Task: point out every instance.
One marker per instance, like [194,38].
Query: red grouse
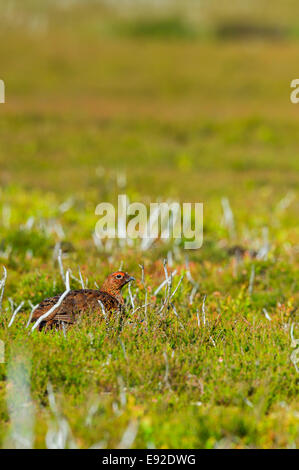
[83,301]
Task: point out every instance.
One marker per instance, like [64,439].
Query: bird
[106,299]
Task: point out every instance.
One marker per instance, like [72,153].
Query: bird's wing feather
[76,302]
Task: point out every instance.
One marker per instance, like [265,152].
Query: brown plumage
[84,301]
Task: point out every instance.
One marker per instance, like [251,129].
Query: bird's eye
[119,276]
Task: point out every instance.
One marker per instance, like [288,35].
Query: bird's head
[115,282]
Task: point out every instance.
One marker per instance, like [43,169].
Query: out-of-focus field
[189,108]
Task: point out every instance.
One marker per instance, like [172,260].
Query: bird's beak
[131,278]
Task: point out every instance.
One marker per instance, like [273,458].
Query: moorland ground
[90,115]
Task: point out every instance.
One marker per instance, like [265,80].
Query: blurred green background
[188,100]
[155,88]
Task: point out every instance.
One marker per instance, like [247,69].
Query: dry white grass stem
[92,411]
[251,280]
[191,280]
[60,264]
[165,269]
[267,314]
[129,435]
[141,306]
[33,308]
[204,310]
[170,259]
[104,313]
[81,279]
[15,313]
[45,315]
[265,248]
[97,242]
[145,307]
[103,308]
[122,392]
[59,435]
[131,297]
[176,314]
[178,285]
[294,343]
[19,403]
[2,286]
[166,376]
[123,348]
[198,319]
[168,283]
[164,283]
[228,217]
[141,266]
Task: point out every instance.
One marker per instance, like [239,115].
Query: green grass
[185,117]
